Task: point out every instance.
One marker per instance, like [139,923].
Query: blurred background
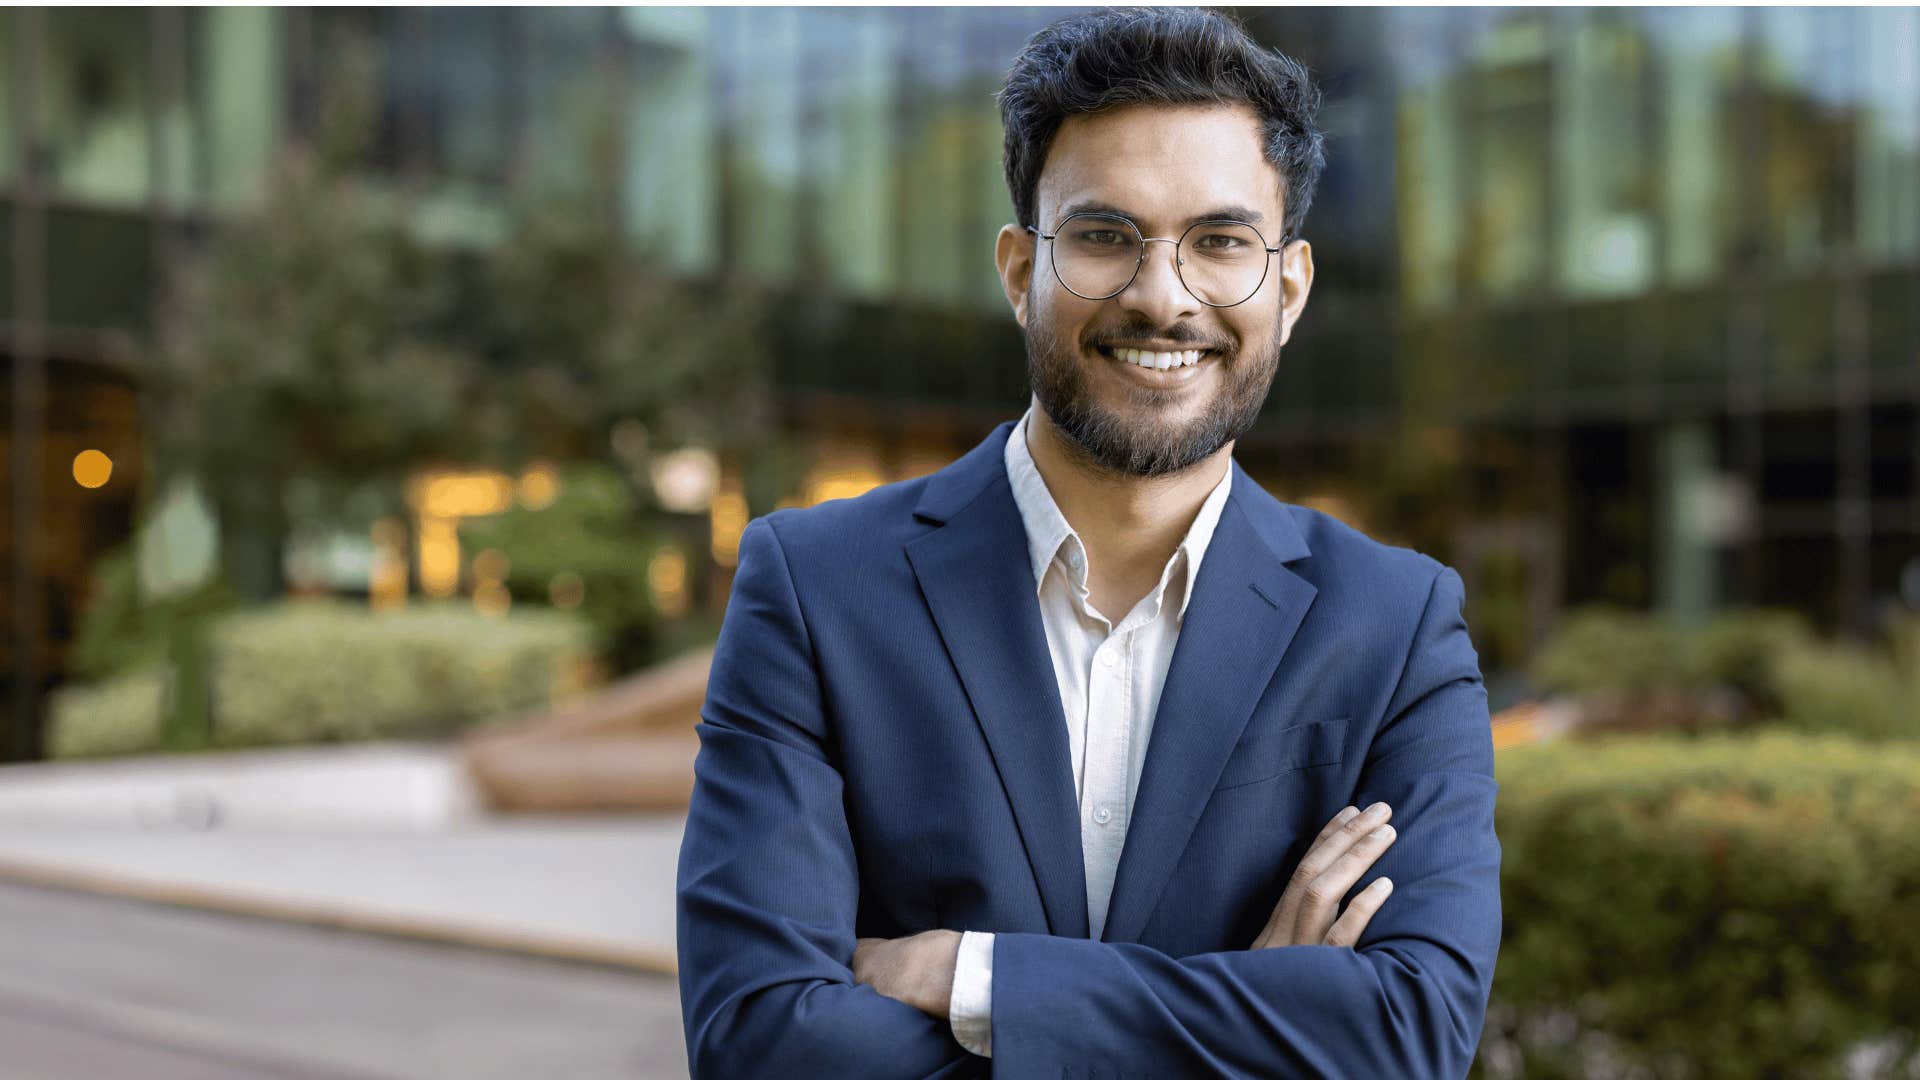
[387,390]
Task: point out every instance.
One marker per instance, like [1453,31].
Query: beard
[1135,439]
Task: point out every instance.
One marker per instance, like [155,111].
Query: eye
[1226,242]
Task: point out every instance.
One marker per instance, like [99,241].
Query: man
[1051,764]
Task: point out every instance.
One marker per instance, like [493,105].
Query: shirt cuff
[970,1009]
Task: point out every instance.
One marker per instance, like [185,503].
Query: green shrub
[594,528]
[1742,669]
[1742,650]
[120,630]
[1610,650]
[1835,688]
[309,671]
[1709,907]
[122,715]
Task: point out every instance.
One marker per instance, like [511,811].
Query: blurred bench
[627,746]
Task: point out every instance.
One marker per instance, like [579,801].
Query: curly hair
[1112,57]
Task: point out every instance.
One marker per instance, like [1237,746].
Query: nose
[1156,290]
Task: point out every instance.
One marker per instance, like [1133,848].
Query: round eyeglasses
[1096,256]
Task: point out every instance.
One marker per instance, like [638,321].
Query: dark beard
[1139,445]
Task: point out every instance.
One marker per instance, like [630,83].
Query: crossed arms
[769,889]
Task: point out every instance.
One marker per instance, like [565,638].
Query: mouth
[1159,369]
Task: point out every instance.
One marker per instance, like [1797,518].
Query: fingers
[1334,843]
[1322,898]
[1347,929]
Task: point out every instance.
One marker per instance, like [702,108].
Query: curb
[561,947]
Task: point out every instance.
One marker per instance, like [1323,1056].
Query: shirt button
[1108,659]
[1102,815]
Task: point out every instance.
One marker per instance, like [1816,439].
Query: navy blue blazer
[883,751]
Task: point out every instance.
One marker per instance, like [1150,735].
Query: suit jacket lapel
[1245,609]
[979,586]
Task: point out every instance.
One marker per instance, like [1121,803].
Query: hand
[1339,856]
[917,970]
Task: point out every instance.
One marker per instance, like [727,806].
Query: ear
[1296,280]
[1013,252]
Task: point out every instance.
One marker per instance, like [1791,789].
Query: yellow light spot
[728,519]
[841,484]
[91,468]
[439,556]
[566,590]
[491,598]
[539,486]
[387,581]
[667,582]
[491,565]
[471,494]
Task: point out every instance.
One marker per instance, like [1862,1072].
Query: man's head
[1164,115]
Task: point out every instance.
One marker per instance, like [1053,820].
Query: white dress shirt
[1110,677]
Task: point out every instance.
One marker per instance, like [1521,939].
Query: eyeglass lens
[1221,263]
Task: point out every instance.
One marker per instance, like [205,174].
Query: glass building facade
[1612,305]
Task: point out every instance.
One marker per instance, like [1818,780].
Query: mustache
[1179,343]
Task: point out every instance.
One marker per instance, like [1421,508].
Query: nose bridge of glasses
[1146,251]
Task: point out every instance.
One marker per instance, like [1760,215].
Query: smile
[1155,361]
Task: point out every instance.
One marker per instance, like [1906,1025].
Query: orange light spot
[92,469]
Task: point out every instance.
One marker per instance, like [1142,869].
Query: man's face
[1161,167]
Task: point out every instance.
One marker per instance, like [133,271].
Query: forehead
[1162,164]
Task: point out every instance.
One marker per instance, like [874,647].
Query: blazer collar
[978,582]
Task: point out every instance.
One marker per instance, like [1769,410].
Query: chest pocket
[1265,754]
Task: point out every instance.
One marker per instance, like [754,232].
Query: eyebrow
[1095,206]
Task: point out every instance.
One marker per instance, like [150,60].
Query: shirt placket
[1103,809]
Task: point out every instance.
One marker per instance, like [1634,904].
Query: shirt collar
[1047,529]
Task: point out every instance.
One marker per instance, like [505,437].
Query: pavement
[98,988]
[381,839]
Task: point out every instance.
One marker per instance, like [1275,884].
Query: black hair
[1112,57]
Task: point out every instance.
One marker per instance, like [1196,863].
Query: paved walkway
[382,838]
[596,889]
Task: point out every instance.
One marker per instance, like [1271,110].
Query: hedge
[1740,669]
[122,715]
[1714,906]
[319,671]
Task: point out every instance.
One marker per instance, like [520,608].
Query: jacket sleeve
[1408,1000]
[768,886]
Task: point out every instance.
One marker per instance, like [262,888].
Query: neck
[1128,523]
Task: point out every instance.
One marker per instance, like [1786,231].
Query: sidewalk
[205,832]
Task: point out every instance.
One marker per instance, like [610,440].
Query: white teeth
[1159,361]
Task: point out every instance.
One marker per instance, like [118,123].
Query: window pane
[856,195]
[765,117]
[938,157]
[1511,104]
[239,87]
[92,102]
[1431,208]
[99,268]
[7,18]
[1601,170]
[1810,90]
[672,173]
[1699,63]
[1888,42]
[568,94]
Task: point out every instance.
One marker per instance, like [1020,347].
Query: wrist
[943,950]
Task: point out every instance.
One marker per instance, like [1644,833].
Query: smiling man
[1053,763]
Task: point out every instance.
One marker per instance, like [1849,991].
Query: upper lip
[1154,348]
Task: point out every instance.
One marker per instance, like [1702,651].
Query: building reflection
[1613,305]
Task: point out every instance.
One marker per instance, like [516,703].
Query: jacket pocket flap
[1263,755]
